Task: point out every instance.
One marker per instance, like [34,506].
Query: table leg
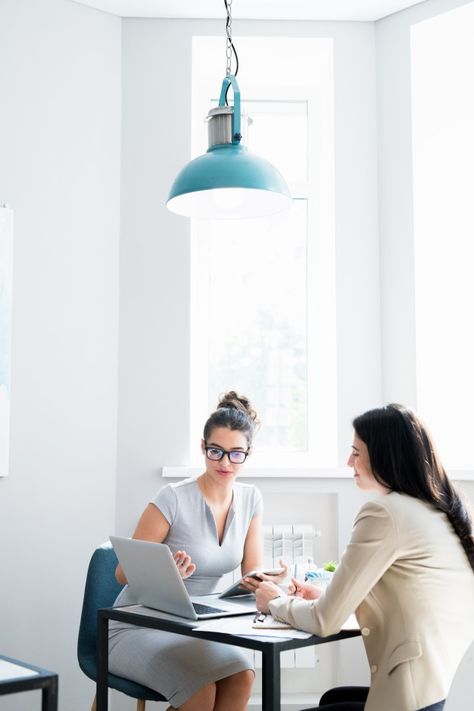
[102,662]
[271,680]
[49,696]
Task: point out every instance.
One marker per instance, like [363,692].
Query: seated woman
[407,573]
[211,524]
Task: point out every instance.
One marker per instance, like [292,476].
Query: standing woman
[212,525]
[407,573]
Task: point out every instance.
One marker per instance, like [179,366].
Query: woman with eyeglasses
[407,573]
[212,524]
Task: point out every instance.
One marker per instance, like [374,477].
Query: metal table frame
[270,647]
[42,679]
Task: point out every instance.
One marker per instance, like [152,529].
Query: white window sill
[266,472]
[181,472]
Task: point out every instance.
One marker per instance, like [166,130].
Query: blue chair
[101,590]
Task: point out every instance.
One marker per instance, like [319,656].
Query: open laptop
[155,582]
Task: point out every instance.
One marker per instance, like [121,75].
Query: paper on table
[244,625]
[8,670]
[263,622]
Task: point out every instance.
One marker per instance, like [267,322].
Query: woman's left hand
[264,593]
[184,564]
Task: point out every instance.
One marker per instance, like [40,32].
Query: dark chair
[101,590]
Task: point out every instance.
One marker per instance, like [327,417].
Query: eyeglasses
[215,454]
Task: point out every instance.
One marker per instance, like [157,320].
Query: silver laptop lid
[153,576]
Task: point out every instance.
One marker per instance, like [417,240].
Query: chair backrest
[461,693]
[100,591]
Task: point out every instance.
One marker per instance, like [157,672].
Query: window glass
[278,132]
[257,330]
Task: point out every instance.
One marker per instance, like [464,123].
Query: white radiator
[294,543]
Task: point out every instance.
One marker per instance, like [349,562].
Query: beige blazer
[410,584]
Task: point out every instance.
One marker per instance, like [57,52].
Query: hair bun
[239,402]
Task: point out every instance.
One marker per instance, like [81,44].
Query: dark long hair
[403,457]
[234,412]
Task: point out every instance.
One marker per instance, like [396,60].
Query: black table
[270,647]
[39,679]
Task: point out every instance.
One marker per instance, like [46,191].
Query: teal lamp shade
[228,182]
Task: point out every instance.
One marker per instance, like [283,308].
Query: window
[443,160]
[263,291]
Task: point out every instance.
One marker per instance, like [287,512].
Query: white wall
[397,289]
[60,72]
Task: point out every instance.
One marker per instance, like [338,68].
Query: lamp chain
[229,45]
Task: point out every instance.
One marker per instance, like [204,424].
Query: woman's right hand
[303,590]
[277,579]
[184,564]
[252,583]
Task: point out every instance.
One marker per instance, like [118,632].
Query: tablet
[234,590]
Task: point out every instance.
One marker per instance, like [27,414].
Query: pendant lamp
[229,181]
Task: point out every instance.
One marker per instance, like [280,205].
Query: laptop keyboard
[205,609]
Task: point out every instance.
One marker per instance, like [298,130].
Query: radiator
[294,543]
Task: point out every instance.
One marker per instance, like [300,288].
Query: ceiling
[353,10]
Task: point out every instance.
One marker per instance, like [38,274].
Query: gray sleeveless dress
[174,665]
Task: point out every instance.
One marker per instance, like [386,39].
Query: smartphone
[235,590]
[268,571]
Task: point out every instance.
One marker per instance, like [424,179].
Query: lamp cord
[229,46]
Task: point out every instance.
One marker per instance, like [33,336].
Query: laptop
[155,582]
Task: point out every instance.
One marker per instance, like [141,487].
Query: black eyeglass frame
[224,452]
